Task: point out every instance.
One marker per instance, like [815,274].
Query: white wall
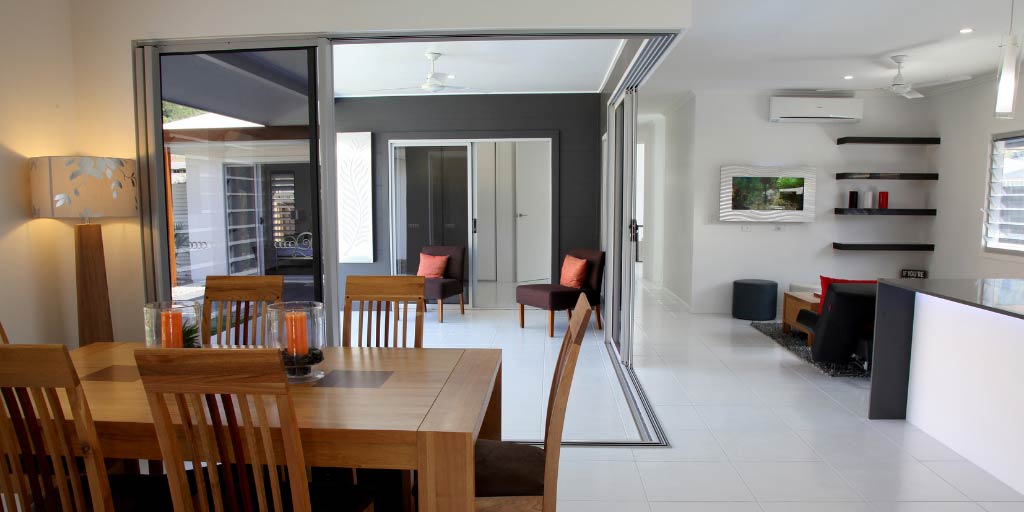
[966,125]
[677,226]
[733,128]
[37,117]
[651,133]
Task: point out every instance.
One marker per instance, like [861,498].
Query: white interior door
[533,210]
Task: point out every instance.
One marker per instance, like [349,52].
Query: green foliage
[789,183]
[174,111]
[190,335]
[764,193]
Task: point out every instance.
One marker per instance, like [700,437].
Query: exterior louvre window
[1004,212]
[282,199]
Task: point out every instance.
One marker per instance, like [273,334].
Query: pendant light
[1006,83]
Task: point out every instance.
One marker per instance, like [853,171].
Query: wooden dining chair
[3,335]
[377,297]
[43,451]
[237,308]
[512,477]
[231,405]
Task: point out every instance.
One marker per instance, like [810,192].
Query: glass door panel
[239,142]
[431,201]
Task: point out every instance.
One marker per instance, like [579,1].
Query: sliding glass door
[430,191]
[625,231]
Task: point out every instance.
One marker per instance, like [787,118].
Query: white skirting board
[966,383]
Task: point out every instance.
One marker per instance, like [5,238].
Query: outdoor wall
[37,117]
[733,128]
[966,125]
[574,117]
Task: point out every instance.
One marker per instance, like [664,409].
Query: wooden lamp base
[94,322]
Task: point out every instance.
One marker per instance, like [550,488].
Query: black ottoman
[754,299]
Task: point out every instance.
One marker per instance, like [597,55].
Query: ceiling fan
[904,87]
[435,81]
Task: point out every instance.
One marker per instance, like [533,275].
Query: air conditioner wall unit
[786,109]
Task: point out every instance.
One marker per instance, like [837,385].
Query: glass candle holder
[172,324]
[298,330]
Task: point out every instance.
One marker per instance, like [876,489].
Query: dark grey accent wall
[571,120]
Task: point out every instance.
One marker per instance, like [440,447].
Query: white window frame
[995,166]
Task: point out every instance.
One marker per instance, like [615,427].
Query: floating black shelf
[885,211]
[920,176]
[887,140]
[839,246]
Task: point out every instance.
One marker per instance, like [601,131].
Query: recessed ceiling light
[848,77]
[966,30]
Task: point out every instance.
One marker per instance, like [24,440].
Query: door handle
[521,215]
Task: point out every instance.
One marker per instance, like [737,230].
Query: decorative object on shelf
[85,187]
[767,194]
[854,199]
[297,329]
[1006,79]
[355,197]
[869,199]
[172,324]
[883,200]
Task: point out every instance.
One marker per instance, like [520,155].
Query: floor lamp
[86,188]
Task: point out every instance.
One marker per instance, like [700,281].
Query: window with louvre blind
[1004,212]
[282,204]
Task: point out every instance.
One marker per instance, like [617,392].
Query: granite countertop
[1005,296]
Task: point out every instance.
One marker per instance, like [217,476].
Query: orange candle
[298,335]
[171,335]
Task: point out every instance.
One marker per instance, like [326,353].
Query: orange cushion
[825,281]
[574,271]
[432,266]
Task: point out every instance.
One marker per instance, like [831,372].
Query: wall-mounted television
[767,194]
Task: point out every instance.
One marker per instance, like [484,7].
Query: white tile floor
[753,429]
[597,408]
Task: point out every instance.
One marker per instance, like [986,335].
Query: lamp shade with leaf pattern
[83,187]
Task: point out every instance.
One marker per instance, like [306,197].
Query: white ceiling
[511,66]
[810,44]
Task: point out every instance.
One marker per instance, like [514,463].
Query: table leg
[785,315]
[447,482]
[491,427]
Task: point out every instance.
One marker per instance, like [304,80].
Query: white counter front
[967,383]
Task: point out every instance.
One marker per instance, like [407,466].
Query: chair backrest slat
[215,393]
[235,308]
[558,398]
[383,301]
[39,467]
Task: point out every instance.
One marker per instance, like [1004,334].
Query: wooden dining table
[410,409]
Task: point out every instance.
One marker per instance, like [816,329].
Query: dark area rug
[798,345]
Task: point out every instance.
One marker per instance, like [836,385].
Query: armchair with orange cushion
[582,272]
[443,266]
